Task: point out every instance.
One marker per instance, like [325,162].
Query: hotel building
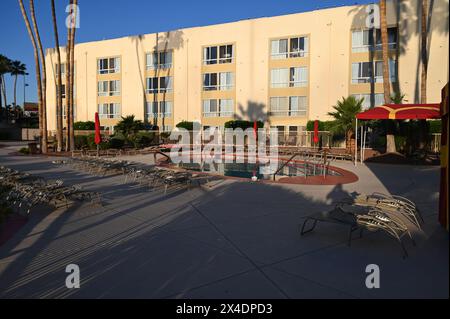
[284,70]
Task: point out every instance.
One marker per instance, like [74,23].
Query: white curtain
[355,72]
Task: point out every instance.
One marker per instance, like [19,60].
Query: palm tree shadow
[253,112]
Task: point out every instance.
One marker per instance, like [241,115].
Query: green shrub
[81,141]
[323,125]
[116,142]
[84,126]
[187,125]
[143,139]
[435,126]
[24,150]
[165,135]
[91,142]
[400,143]
[242,124]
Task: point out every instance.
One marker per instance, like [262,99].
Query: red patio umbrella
[98,137]
[316,131]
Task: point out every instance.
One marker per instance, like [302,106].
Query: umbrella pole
[356,142]
[361,142]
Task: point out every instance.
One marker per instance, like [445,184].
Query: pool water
[248,170]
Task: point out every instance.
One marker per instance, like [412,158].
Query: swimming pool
[248,170]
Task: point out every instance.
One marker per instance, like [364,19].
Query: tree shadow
[407,16]
[170,40]
[253,112]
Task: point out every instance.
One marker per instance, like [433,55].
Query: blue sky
[103,19]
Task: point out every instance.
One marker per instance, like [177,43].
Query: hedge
[84,126]
[242,124]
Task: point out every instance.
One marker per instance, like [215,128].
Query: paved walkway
[228,239]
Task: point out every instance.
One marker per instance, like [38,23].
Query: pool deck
[226,239]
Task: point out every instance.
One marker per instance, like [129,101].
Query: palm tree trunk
[423,134]
[44,78]
[15,90]
[68,78]
[424,55]
[390,138]
[72,75]
[5,100]
[38,71]
[59,121]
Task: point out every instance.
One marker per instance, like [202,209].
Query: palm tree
[70,52]
[44,77]
[423,128]
[5,67]
[59,120]
[68,78]
[41,93]
[72,75]
[423,53]
[128,127]
[390,138]
[17,68]
[345,118]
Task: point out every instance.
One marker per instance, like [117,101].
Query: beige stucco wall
[329,62]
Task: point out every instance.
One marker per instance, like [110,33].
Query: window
[225,81]
[297,106]
[293,77]
[108,65]
[152,85]
[218,108]
[361,72]
[288,106]
[298,47]
[392,39]
[218,54]
[210,81]
[210,108]
[62,91]
[63,69]
[298,77]
[159,109]
[159,60]
[159,85]
[370,100]
[210,55]
[279,49]
[279,78]
[165,108]
[109,110]
[226,107]
[165,84]
[362,40]
[379,71]
[64,111]
[293,48]
[109,88]
[226,53]
[167,128]
[279,106]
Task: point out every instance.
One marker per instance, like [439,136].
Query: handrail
[285,163]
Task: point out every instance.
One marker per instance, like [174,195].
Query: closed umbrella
[316,132]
